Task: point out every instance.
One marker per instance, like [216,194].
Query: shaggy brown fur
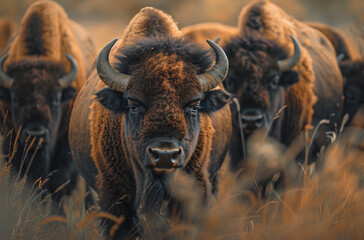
[163,67]
[7,29]
[36,62]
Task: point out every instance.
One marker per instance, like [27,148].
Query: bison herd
[161,101]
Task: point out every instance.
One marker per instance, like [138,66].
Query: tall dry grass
[26,214]
[327,204]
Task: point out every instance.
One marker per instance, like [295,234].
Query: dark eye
[56,99]
[135,107]
[273,84]
[15,100]
[192,108]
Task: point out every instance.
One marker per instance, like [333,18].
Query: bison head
[259,74]
[35,91]
[162,86]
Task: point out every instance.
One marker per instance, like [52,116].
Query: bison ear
[349,67]
[112,100]
[289,78]
[5,95]
[214,100]
[68,93]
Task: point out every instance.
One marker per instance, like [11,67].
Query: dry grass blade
[51,220]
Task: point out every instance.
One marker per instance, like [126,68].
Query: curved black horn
[112,78]
[5,80]
[217,74]
[289,63]
[66,80]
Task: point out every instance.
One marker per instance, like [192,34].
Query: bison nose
[164,155]
[252,119]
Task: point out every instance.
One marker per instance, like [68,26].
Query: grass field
[327,204]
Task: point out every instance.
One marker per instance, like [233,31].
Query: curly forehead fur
[190,53]
[253,52]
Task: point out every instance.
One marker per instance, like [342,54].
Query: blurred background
[106,19]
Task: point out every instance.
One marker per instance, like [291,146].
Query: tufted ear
[68,93]
[214,100]
[112,100]
[289,78]
[5,95]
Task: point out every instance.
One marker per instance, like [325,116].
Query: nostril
[177,155]
[153,154]
[260,119]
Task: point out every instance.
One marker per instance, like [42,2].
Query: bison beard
[155,193]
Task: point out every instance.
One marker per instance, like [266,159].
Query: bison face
[353,73]
[35,93]
[162,102]
[259,79]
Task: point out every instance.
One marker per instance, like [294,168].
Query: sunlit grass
[327,204]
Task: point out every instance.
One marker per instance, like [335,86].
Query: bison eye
[135,107]
[193,107]
[192,110]
[56,100]
[15,100]
[274,83]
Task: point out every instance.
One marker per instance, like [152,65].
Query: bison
[7,29]
[40,74]
[159,110]
[349,49]
[280,65]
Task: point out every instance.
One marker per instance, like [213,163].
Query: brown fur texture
[163,70]
[7,29]
[36,100]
